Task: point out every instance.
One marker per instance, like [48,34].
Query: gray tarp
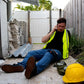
[34,2]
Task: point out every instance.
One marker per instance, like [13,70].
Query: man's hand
[46,38]
[55,28]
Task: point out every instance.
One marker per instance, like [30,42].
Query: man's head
[61,24]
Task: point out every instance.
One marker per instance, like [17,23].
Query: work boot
[12,68]
[30,68]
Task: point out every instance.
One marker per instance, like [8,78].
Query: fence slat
[74,13]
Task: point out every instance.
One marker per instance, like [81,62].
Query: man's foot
[30,68]
[12,68]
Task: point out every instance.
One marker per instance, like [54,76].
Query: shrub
[76,45]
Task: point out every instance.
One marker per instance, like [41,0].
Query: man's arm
[46,37]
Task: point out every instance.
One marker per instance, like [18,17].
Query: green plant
[43,5]
[76,45]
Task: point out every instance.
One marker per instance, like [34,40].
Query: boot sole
[11,68]
[30,67]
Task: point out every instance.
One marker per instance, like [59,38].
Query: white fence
[39,23]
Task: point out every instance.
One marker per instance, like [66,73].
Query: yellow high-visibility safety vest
[65,40]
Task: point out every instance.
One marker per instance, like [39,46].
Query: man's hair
[61,20]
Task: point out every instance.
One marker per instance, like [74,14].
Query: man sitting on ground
[57,41]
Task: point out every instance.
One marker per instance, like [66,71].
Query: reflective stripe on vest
[65,40]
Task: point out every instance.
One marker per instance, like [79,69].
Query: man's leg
[44,62]
[37,54]
[19,67]
[47,59]
[32,68]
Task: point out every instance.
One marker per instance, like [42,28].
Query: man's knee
[30,52]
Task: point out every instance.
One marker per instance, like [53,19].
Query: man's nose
[61,28]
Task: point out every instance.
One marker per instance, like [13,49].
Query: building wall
[3,30]
[74,13]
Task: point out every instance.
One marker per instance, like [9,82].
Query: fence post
[50,19]
[29,37]
[60,13]
[9,11]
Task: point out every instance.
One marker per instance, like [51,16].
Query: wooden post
[50,20]
[29,36]
[9,11]
[60,13]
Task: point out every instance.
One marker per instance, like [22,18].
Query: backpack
[61,67]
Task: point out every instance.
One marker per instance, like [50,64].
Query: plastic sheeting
[22,51]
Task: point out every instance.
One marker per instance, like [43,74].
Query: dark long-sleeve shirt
[57,42]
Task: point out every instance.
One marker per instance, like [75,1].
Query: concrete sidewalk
[48,76]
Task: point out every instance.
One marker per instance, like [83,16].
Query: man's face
[61,27]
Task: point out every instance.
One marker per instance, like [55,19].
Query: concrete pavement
[48,76]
